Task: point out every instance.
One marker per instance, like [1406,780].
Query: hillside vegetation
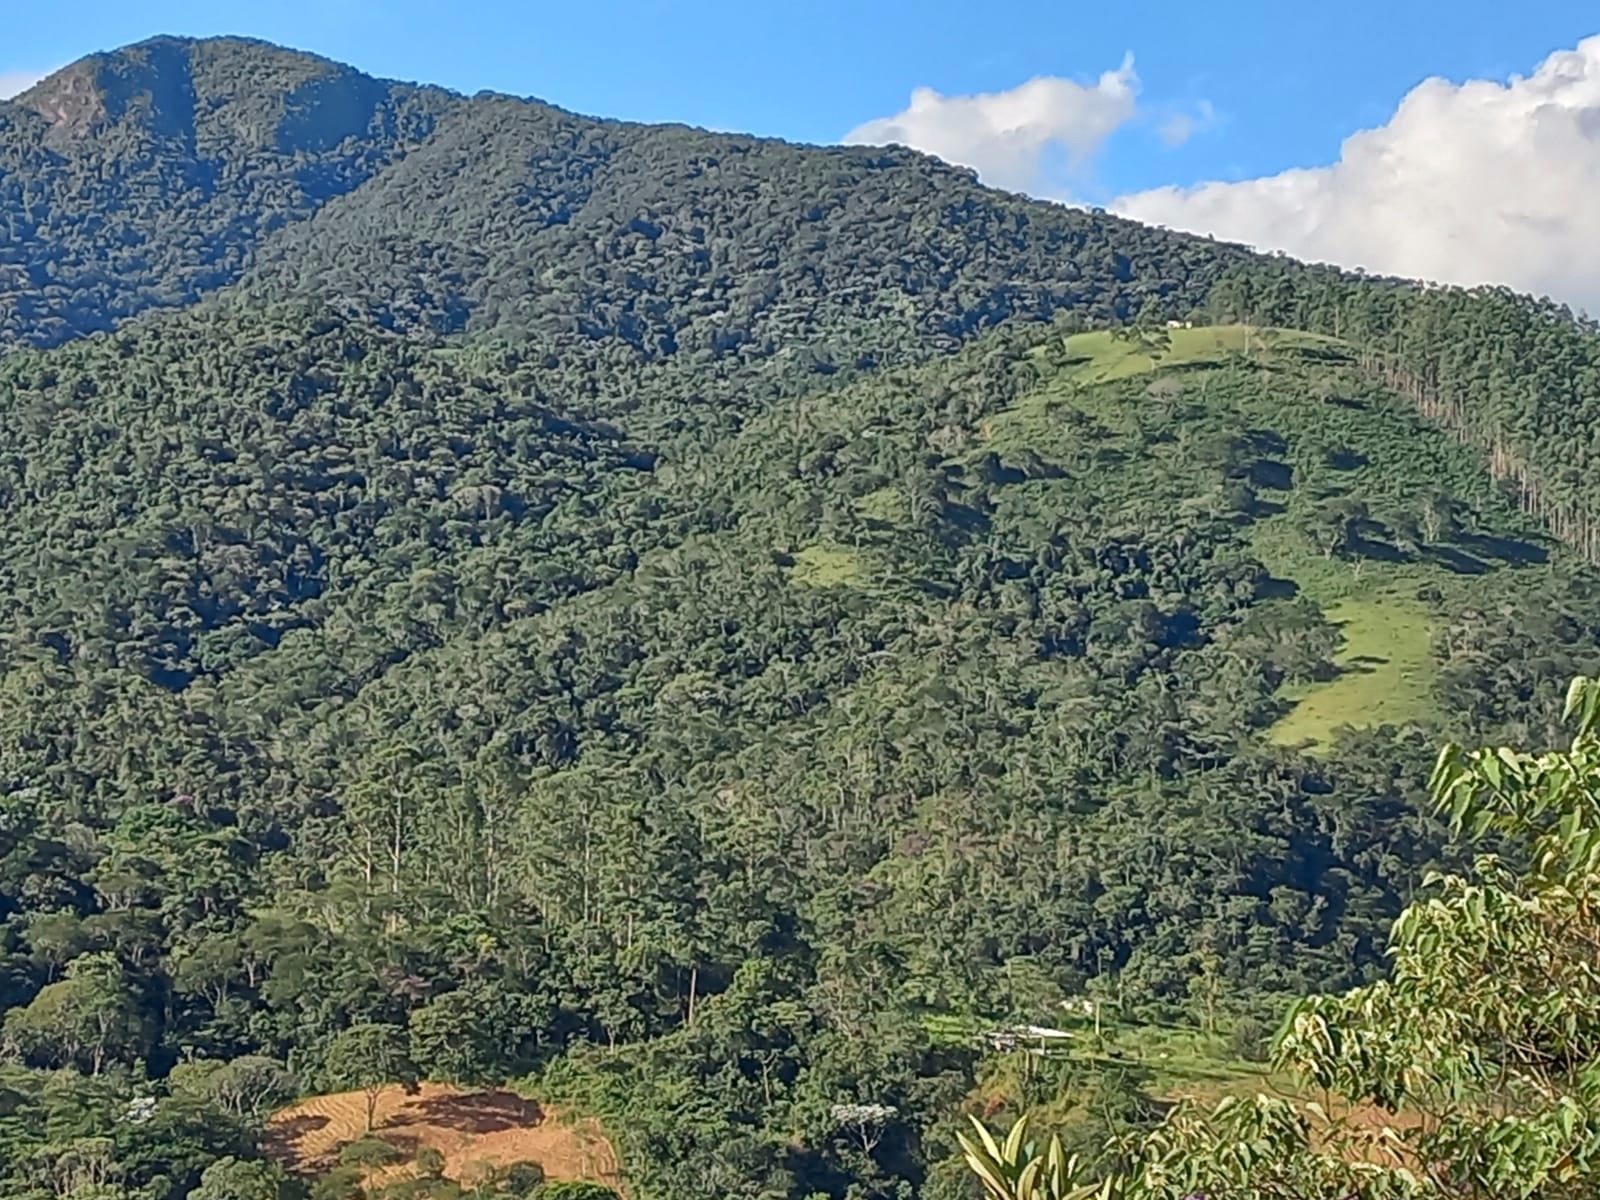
[683,622]
[1428,1084]
[153,175]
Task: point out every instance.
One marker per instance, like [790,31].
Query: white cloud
[1013,137]
[13,82]
[1482,182]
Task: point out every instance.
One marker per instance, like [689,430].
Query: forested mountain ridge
[152,175]
[680,620]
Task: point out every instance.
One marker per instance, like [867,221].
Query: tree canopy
[1469,1071]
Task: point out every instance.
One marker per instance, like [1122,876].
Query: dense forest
[157,174]
[1430,1084]
[681,622]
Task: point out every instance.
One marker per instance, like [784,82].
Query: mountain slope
[351,676]
[674,241]
[150,176]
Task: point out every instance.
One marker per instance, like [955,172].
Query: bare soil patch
[471,1129]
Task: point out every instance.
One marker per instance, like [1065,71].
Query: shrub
[522,1178]
[369,1152]
[1250,1040]
[341,1183]
[572,1190]
[430,1162]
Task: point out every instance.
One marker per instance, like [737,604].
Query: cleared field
[471,1129]
[825,564]
[1385,673]
[1089,359]
[1181,1064]
[1099,357]
[1181,1060]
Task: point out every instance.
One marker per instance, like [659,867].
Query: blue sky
[1288,81]
[1261,87]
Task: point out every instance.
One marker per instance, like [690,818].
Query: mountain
[151,176]
[687,621]
[147,177]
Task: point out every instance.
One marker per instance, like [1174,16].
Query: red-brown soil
[471,1130]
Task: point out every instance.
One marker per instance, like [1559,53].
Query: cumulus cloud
[1014,138]
[13,82]
[1480,182]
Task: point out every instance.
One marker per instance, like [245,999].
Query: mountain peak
[245,90]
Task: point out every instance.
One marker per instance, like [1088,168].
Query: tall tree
[370,1058]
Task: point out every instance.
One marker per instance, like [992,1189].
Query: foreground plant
[1013,1170]
[1472,1072]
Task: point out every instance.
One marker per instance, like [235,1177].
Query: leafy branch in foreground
[1473,1071]
[1013,1170]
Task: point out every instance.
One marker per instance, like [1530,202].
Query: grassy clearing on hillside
[1168,1063]
[1185,1062]
[1099,357]
[1272,427]
[1174,1061]
[1386,666]
[1386,672]
[826,564]
[1178,1056]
